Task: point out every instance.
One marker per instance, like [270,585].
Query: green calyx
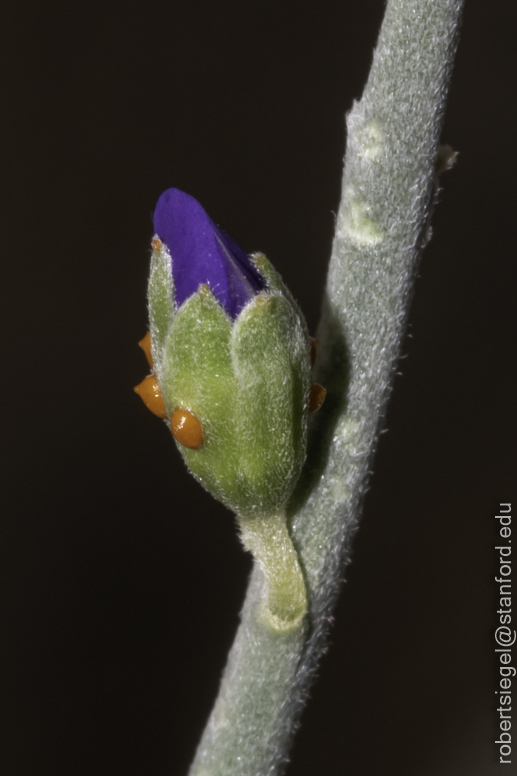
[246,381]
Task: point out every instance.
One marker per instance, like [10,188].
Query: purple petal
[202,253]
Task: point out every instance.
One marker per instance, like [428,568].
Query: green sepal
[198,376]
[161,297]
[272,368]
[274,282]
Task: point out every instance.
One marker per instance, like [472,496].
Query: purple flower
[203,253]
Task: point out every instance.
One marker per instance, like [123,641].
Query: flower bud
[231,355]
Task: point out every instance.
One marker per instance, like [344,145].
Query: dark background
[121,580]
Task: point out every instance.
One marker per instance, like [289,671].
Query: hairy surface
[388,184]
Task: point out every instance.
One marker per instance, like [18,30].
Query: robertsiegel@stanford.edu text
[505,635]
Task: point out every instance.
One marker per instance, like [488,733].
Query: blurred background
[121,579]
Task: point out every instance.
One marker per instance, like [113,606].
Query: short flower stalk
[269,541]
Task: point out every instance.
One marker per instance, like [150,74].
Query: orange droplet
[316,397]
[156,244]
[187,429]
[145,344]
[149,392]
[314,349]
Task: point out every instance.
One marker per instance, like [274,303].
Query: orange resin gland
[314,349]
[316,397]
[145,344]
[187,429]
[156,243]
[149,392]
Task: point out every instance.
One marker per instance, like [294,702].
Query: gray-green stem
[388,184]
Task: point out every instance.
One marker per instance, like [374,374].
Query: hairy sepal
[271,364]
[161,296]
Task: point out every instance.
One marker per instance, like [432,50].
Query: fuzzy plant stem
[383,219]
